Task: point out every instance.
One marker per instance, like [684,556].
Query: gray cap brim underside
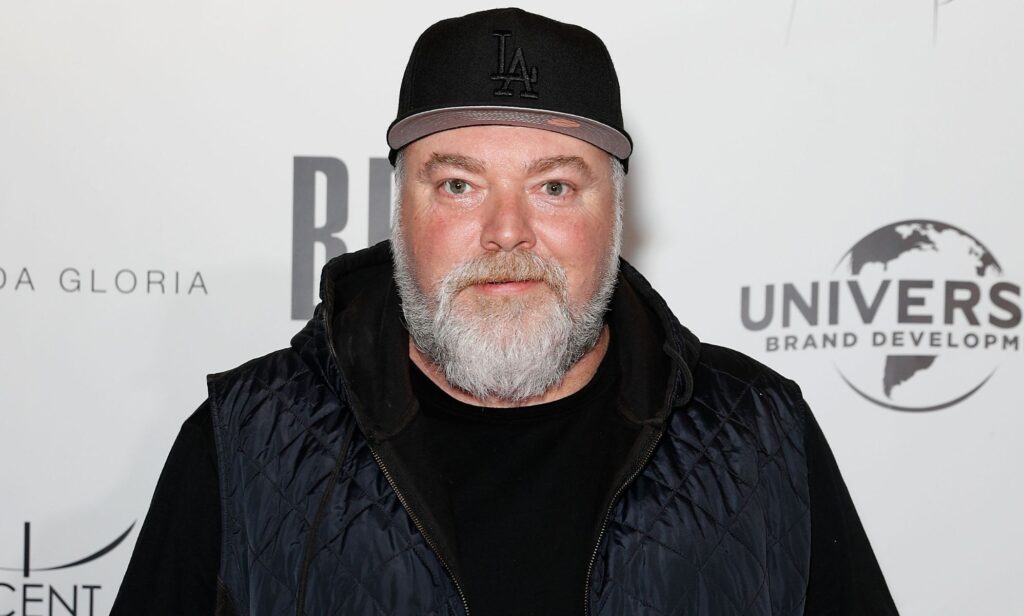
[426,123]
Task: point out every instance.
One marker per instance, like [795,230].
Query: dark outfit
[515,500]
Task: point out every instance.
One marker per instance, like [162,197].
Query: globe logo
[915,317]
[924,355]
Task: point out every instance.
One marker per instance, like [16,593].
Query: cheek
[437,244]
[582,248]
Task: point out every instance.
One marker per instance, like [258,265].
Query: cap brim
[419,125]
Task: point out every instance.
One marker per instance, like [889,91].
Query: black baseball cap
[510,67]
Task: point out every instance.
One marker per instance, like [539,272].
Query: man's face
[501,228]
[487,190]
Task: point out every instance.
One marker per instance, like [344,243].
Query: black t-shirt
[525,488]
[525,524]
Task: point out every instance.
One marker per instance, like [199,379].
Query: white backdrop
[157,142]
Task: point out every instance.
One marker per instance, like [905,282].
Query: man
[494,414]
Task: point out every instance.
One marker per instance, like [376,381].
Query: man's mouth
[506,287]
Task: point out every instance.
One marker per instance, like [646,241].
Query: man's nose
[507,223]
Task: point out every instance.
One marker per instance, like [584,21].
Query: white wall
[770,138]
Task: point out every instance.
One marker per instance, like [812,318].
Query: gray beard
[502,348]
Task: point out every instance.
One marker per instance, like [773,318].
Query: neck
[577,376]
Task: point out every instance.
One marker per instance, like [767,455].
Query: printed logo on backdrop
[76,598]
[78,280]
[916,316]
[322,183]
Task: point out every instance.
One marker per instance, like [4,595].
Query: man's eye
[555,189]
[456,187]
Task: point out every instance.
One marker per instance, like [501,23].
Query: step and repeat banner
[834,188]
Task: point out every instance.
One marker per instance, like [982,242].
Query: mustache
[501,267]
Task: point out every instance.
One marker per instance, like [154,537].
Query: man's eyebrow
[554,162]
[441,159]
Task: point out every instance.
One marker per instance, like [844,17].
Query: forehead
[502,148]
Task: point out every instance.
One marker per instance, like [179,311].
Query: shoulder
[262,387]
[304,357]
[734,381]
[260,372]
[731,368]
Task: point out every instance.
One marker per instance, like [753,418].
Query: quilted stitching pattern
[275,417]
[718,522]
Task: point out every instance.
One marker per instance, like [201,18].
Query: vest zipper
[608,514]
[328,310]
[416,520]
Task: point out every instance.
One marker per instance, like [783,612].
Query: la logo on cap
[518,70]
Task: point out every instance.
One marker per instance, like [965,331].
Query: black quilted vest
[708,516]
